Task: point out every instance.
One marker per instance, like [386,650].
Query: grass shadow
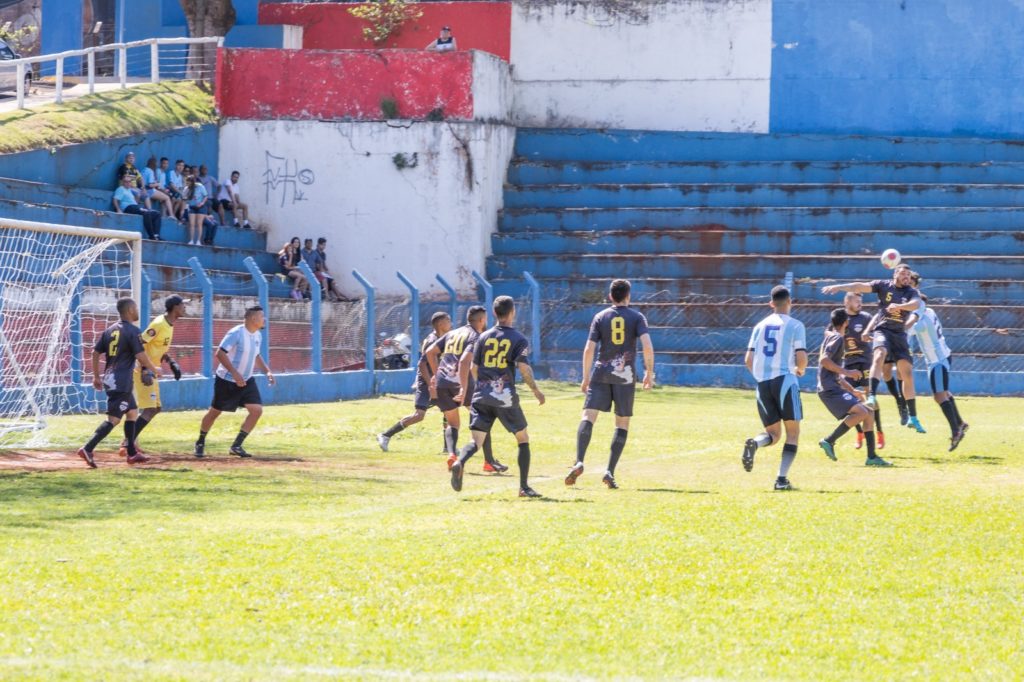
[675,490]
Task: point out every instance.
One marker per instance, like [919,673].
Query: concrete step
[561,144]
[225,283]
[212,257]
[761,218]
[761,195]
[57,195]
[527,172]
[703,265]
[862,242]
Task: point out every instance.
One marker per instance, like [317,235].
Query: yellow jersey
[156,340]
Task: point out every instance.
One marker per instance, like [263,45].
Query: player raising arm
[776,356]
[613,378]
[927,333]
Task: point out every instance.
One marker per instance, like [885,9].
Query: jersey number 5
[771,345]
[496,353]
[618,331]
[112,346]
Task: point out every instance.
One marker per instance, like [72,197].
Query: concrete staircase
[705,224]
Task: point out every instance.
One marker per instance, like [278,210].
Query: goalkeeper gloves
[147,377]
[174,369]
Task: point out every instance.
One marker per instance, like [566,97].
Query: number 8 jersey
[616,330]
[774,343]
[495,355]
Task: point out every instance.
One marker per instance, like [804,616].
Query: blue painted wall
[903,67]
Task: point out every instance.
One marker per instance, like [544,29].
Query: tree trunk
[206,18]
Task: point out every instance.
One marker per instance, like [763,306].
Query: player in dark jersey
[424,397]
[121,346]
[897,299]
[498,352]
[857,357]
[613,378]
[842,399]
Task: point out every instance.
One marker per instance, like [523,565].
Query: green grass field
[334,560]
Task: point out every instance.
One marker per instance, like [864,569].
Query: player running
[927,335]
[157,342]
[496,355]
[857,358]
[234,385]
[897,299]
[613,378]
[842,399]
[424,397]
[121,346]
[776,356]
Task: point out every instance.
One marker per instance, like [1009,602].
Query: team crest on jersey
[123,406]
[150,332]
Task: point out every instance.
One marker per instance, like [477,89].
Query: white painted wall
[338,180]
[701,65]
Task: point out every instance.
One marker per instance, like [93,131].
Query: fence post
[207,288]
[154,62]
[75,336]
[60,81]
[146,294]
[21,86]
[371,318]
[263,292]
[122,67]
[534,316]
[314,292]
[414,318]
[453,303]
[90,61]
[488,295]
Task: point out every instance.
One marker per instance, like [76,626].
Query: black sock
[878,420]
[202,438]
[788,455]
[956,410]
[488,450]
[950,412]
[859,429]
[468,451]
[869,438]
[583,434]
[838,433]
[618,444]
[397,428]
[896,390]
[129,437]
[763,440]
[102,431]
[239,439]
[874,386]
[451,440]
[140,424]
[524,465]
[912,406]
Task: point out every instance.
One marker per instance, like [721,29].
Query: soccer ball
[891,258]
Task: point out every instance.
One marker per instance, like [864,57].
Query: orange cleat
[123,452]
[494,468]
[881,439]
[87,456]
[860,440]
[138,459]
[451,460]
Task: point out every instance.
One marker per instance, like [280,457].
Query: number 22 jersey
[774,343]
[495,355]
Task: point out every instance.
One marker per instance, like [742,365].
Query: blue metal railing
[207,288]
[316,342]
[263,292]
[414,318]
[371,318]
[488,297]
[145,305]
[453,303]
[535,315]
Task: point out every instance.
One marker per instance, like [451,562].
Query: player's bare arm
[266,370]
[648,348]
[832,366]
[527,373]
[97,380]
[149,370]
[801,362]
[856,287]
[432,355]
[465,363]
[222,358]
[748,360]
[588,364]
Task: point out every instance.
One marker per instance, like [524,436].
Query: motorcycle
[394,352]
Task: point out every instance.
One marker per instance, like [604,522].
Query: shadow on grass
[982,459]
[675,490]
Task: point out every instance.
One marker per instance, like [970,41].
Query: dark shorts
[839,403]
[894,343]
[600,397]
[865,374]
[938,375]
[228,396]
[225,204]
[446,398]
[120,403]
[422,399]
[778,400]
[481,418]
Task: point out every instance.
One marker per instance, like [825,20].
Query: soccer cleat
[830,451]
[914,424]
[876,462]
[609,481]
[749,448]
[87,456]
[782,483]
[872,402]
[529,492]
[451,461]
[957,437]
[575,472]
[456,470]
[199,450]
[383,441]
[904,414]
[881,439]
[138,458]
[123,452]
[239,451]
[860,441]
[494,467]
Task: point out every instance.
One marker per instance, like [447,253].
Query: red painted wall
[485,26]
[314,84]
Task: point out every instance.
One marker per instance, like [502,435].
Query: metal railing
[187,67]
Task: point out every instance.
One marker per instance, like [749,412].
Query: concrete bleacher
[705,224]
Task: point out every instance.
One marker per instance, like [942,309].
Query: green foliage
[403,161]
[326,558]
[385,18]
[389,107]
[16,37]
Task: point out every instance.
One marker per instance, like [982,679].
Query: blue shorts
[939,375]
[839,403]
[600,397]
[778,400]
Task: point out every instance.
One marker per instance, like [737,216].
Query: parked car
[9,72]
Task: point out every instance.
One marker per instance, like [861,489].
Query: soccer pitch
[325,558]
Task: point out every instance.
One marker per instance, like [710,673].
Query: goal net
[59,287]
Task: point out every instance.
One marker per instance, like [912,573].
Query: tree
[206,18]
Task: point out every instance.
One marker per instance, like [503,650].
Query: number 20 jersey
[616,330]
[495,355]
[774,343]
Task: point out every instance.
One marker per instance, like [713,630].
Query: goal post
[59,285]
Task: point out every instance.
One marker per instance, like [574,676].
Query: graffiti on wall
[283,180]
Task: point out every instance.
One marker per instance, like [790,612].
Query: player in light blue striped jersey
[926,334]
[777,356]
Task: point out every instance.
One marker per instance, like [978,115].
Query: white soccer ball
[891,258]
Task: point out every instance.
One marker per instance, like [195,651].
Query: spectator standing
[445,42]
[324,275]
[227,200]
[125,202]
[288,258]
[210,184]
[153,186]
[197,199]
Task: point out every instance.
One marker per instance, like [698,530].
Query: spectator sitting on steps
[210,183]
[288,258]
[324,275]
[174,183]
[227,200]
[128,168]
[125,202]
[153,182]
[444,43]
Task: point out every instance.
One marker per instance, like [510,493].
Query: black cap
[175,300]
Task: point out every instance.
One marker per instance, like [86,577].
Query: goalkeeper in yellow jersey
[156,340]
